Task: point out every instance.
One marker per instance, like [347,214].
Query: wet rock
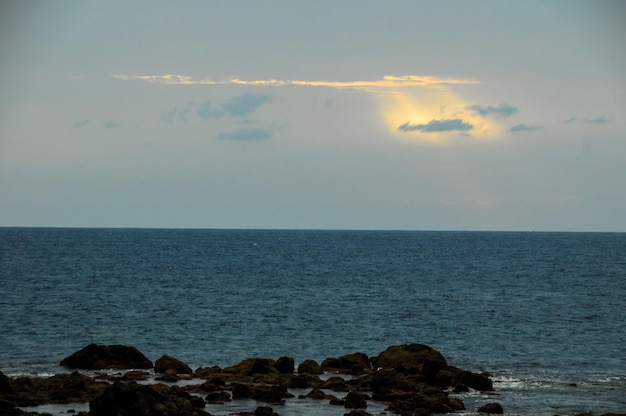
[264,411]
[355,400]
[61,388]
[315,394]
[310,367]
[336,384]
[270,394]
[218,397]
[480,382]
[494,408]
[357,412]
[240,391]
[99,357]
[457,404]
[125,400]
[411,358]
[5,387]
[252,366]
[302,381]
[167,362]
[285,365]
[355,363]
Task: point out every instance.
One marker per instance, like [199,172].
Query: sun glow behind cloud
[412,106]
[433,115]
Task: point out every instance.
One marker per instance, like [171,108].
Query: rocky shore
[411,379]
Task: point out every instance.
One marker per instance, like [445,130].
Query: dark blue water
[540,311]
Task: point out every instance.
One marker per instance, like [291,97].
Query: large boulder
[166,363]
[100,357]
[411,356]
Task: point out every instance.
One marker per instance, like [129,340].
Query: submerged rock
[100,357]
[495,408]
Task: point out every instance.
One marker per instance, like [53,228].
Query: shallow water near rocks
[542,312]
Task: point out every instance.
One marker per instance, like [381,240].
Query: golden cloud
[387,82]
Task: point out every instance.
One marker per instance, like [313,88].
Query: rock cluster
[409,379]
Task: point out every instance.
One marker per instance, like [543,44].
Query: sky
[407,115]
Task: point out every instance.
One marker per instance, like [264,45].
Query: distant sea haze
[541,312]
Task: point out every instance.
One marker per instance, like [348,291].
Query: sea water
[544,313]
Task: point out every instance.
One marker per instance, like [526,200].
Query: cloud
[111,125]
[598,120]
[80,124]
[242,106]
[247,134]
[590,120]
[523,127]
[434,126]
[500,111]
[386,82]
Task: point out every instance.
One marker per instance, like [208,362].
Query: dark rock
[252,366]
[5,386]
[264,411]
[124,400]
[166,363]
[336,384]
[218,397]
[285,365]
[309,366]
[60,388]
[302,381]
[422,358]
[99,357]
[240,391]
[480,382]
[357,412]
[354,363]
[135,375]
[427,400]
[457,404]
[316,394]
[6,406]
[355,400]
[495,408]
[270,394]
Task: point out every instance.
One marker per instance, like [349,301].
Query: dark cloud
[598,120]
[242,106]
[248,134]
[433,126]
[590,120]
[81,123]
[111,124]
[523,127]
[500,111]
[206,110]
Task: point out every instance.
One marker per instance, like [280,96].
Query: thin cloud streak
[386,82]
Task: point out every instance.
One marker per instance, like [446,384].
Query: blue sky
[447,115]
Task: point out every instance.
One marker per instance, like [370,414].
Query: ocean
[544,313]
